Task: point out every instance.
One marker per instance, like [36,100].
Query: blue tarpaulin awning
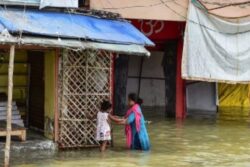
[70,26]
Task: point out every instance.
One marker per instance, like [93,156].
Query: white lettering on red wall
[151,27]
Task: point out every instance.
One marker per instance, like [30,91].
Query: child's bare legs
[103,146]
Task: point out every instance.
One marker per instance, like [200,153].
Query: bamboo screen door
[85,81]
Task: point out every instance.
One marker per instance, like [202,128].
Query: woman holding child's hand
[136,132]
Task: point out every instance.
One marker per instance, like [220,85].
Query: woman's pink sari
[128,130]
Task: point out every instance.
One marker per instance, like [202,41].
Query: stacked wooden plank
[16,116]
[17,130]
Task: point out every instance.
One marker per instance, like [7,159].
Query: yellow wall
[50,93]
[20,76]
[234,102]
[21,83]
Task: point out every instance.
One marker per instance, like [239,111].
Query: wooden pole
[9,106]
[140,76]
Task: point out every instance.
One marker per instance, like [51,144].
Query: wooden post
[121,77]
[140,75]
[169,68]
[9,106]
[56,120]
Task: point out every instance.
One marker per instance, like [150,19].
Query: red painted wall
[180,105]
[160,32]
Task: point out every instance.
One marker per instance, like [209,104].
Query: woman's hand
[122,122]
[114,118]
[117,120]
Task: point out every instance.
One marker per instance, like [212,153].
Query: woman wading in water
[135,129]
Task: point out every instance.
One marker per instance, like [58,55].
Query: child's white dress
[103,129]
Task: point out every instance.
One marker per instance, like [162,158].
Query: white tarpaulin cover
[215,49]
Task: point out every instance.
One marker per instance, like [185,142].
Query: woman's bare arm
[114,118]
[117,120]
[122,122]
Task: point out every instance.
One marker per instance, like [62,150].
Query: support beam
[9,106]
[169,68]
[180,107]
[121,74]
[56,121]
[140,76]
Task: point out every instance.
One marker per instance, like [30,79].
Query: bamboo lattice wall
[85,81]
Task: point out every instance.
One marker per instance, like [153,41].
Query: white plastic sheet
[59,3]
[216,49]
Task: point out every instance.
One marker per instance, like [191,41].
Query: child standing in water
[103,131]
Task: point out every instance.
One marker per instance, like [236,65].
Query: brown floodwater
[192,143]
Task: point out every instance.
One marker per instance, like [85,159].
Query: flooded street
[193,143]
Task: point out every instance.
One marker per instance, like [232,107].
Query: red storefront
[161,33]
[163,23]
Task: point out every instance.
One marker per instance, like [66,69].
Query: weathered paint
[180,107]
[56,113]
[18,80]
[20,76]
[197,106]
[152,79]
[120,74]
[41,42]
[21,2]
[50,93]
[59,3]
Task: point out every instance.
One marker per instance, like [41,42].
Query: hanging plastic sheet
[71,26]
[235,95]
[234,102]
[215,49]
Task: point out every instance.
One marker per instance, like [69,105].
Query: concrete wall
[20,77]
[21,83]
[201,98]
[152,83]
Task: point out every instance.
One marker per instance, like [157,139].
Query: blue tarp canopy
[71,26]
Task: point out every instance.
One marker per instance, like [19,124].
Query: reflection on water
[193,143]
[234,113]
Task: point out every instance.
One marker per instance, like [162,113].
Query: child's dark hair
[105,105]
[135,98]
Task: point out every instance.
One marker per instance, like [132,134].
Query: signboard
[158,30]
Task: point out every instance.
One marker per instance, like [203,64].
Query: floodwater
[192,143]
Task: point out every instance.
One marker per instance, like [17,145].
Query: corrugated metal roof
[68,25]
[7,39]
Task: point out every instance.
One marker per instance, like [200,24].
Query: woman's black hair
[105,105]
[135,98]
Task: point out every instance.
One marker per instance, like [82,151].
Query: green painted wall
[50,93]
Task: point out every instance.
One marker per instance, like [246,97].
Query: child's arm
[116,119]
[122,122]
